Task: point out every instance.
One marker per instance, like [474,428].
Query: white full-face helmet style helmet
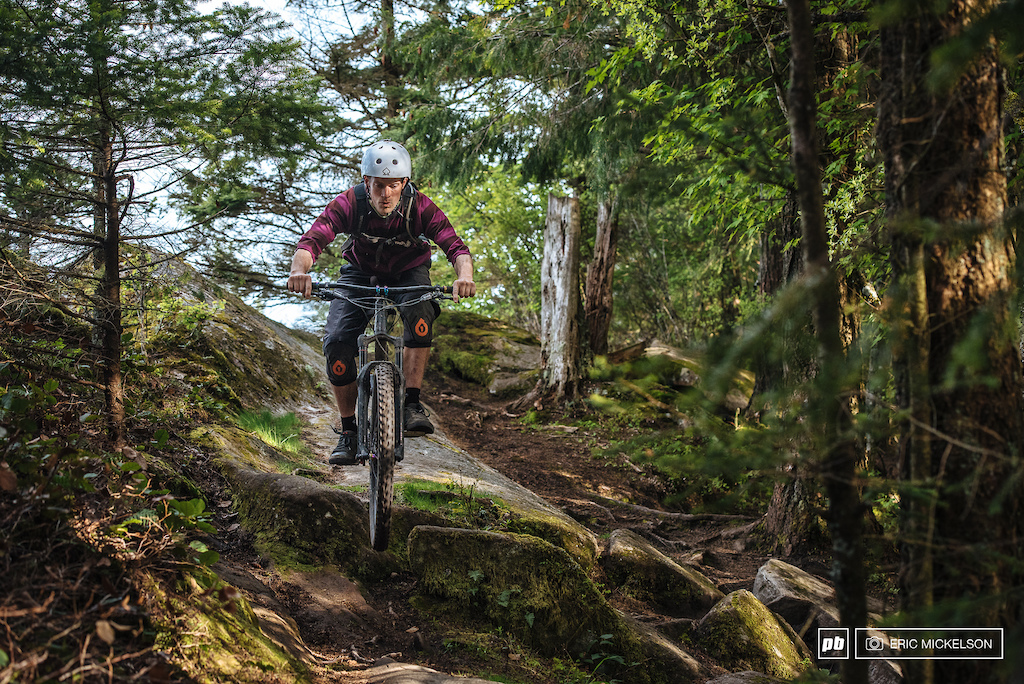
[387,159]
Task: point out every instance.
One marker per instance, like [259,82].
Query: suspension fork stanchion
[362,399]
[399,399]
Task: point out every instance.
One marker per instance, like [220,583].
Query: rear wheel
[383,416]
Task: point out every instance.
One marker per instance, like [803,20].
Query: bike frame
[386,366]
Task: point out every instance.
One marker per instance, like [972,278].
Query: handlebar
[319,289]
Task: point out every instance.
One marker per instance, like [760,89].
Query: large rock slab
[437,459]
[637,568]
[535,590]
[740,633]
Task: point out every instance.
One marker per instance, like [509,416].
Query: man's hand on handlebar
[299,280]
[463,288]
[301,283]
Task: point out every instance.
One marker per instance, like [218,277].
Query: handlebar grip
[447,289]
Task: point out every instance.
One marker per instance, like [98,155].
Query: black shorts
[346,321]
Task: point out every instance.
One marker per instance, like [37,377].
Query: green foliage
[279,431]
[502,222]
[212,112]
[49,474]
[168,526]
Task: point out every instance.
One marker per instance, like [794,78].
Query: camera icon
[873,643]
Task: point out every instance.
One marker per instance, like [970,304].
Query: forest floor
[570,467]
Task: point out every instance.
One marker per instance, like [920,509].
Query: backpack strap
[362,207]
[409,192]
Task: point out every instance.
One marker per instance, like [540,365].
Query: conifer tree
[109,105]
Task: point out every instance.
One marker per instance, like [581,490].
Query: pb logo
[834,644]
[338,368]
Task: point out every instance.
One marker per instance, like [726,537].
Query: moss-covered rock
[212,634]
[797,596]
[298,522]
[221,352]
[520,582]
[502,358]
[536,591]
[742,634]
[640,570]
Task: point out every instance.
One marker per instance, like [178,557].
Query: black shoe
[345,452]
[416,422]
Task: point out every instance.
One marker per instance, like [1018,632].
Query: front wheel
[383,430]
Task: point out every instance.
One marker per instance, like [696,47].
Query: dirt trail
[479,443]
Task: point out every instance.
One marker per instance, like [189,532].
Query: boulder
[300,523]
[640,570]
[803,600]
[885,672]
[746,677]
[517,581]
[740,633]
[498,356]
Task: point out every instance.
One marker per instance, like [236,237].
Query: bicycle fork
[382,340]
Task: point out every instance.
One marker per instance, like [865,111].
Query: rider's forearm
[302,261]
[464,267]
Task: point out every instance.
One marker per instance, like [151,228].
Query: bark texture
[958,371]
[830,408]
[560,299]
[598,301]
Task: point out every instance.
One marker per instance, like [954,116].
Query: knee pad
[419,325]
[341,364]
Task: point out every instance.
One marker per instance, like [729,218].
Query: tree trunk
[109,327]
[560,297]
[957,369]
[780,264]
[389,69]
[598,307]
[791,525]
[830,407]
[560,305]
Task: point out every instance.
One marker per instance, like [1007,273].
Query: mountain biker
[387,222]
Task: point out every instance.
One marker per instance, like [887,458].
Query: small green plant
[454,501]
[477,577]
[279,431]
[168,524]
[886,508]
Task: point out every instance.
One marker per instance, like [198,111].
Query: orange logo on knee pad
[338,368]
[421,329]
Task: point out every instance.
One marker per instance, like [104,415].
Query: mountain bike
[380,403]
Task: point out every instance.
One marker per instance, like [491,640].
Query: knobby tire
[382,442]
